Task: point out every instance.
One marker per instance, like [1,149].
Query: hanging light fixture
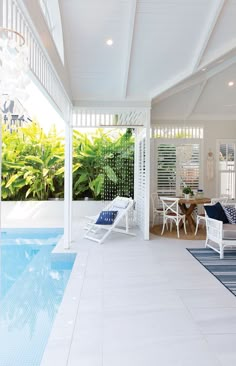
[13,64]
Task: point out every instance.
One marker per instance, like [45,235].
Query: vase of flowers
[187,191]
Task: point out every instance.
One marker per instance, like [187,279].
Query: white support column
[68,187]
[1,174]
[136,170]
[1,13]
[147,176]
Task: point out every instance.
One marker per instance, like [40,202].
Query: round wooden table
[187,207]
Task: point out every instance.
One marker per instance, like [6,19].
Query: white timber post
[68,187]
[147,176]
[1,118]
[0,174]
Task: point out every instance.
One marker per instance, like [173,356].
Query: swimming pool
[32,283]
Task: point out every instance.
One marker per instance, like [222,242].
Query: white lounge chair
[98,233]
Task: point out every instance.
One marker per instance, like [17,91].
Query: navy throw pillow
[106,218]
[231,214]
[216,212]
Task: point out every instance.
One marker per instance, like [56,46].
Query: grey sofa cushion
[229,231]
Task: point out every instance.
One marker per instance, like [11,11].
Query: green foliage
[33,164]
[103,165]
[187,190]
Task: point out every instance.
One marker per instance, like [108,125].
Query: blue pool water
[32,283]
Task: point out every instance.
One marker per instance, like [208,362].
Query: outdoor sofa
[220,227]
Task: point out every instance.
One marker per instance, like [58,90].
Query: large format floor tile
[172,351]
[144,303]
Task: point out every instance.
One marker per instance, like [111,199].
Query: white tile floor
[132,302]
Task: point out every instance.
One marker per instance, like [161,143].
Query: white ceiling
[160,48]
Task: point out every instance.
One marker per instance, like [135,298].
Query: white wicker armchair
[219,235]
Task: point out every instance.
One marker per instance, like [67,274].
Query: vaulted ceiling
[179,54]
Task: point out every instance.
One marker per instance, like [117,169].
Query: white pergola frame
[14,15]
[92,117]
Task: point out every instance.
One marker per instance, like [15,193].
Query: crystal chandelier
[13,64]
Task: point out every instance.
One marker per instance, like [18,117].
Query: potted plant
[187,191]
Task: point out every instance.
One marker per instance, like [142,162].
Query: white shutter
[166,169]
[190,168]
[178,165]
[227,169]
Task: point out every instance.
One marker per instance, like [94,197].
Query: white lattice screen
[136,119]
[108,118]
[177,132]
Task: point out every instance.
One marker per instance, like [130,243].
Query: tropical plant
[103,164]
[32,163]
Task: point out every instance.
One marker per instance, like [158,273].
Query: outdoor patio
[136,303]
[162,73]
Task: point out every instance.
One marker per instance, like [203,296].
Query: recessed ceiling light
[230,83]
[204,69]
[109,42]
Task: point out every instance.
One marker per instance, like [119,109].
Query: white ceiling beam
[195,99]
[184,84]
[221,67]
[215,15]
[196,118]
[223,54]
[228,57]
[167,87]
[133,6]
[112,104]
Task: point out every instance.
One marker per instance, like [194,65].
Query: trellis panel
[115,117]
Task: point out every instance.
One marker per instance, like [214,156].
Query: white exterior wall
[213,130]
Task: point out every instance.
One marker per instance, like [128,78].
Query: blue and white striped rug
[223,269]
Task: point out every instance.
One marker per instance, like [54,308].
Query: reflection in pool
[32,283]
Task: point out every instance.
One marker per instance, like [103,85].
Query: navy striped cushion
[106,218]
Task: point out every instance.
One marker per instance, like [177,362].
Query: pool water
[32,283]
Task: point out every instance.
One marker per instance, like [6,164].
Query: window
[178,157]
[226,168]
[177,166]
[51,12]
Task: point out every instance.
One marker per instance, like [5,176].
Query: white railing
[177,132]
[39,62]
[116,117]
